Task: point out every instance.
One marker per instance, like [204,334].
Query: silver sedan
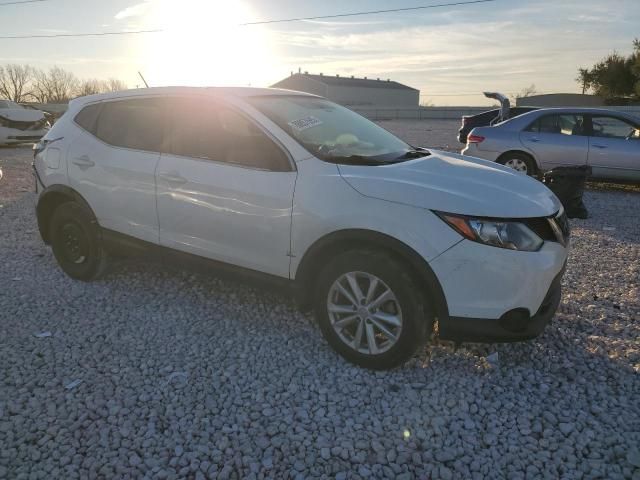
[532,143]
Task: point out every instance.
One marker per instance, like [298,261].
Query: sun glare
[202,44]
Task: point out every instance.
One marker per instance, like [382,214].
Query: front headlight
[509,234]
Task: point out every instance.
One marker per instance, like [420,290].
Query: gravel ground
[439,134]
[16,176]
[185,375]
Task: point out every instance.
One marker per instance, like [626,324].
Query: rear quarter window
[87,117]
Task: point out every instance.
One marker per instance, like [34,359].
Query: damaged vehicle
[386,242]
[21,125]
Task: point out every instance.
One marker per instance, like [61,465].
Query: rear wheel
[519,162]
[76,242]
[370,310]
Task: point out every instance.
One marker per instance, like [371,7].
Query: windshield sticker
[304,123]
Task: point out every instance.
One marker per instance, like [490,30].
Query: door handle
[534,139]
[83,161]
[172,177]
[599,146]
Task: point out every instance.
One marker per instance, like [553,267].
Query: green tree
[616,76]
[636,65]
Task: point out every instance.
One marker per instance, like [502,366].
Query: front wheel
[370,310]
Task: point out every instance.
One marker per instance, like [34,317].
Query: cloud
[133,11]
[462,55]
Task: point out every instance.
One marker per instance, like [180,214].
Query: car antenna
[145,82]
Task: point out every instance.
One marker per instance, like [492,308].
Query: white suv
[385,241]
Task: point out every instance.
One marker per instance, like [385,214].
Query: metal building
[561,100]
[353,92]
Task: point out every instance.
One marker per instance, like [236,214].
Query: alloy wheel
[364,313]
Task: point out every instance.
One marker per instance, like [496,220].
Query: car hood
[455,184]
[21,114]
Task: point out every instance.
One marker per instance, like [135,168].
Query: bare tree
[93,85]
[115,85]
[89,87]
[54,86]
[15,82]
[525,92]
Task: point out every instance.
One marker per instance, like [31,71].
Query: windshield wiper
[417,153]
[357,160]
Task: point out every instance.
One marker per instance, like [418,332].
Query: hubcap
[517,164]
[364,312]
[74,243]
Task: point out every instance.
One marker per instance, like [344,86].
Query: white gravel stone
[265,397]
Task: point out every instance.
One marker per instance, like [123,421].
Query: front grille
[542,228]
[26,138]
[550,229]
[563,223]
[18,125]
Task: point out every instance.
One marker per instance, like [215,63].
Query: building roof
[348,81]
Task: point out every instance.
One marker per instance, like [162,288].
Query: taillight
[39,147]
[475,139]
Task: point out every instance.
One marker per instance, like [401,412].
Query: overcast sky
[450,54]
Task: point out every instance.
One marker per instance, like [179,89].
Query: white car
[382,239]
[21,125]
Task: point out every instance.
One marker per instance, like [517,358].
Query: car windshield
[334,133]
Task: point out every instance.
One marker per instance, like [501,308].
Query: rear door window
[203,128]
[135,123]
[561,124]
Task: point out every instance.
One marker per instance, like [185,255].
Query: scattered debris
[493,359]
[608,229]
[44,334]
[179,379]
[16,279]
[73,384]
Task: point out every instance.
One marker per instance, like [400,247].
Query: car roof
[517,122]
[179,90]
[592,110]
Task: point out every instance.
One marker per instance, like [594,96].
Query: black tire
[417,320]
[76,242]
[519,158]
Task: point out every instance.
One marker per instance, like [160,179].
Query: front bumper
[488,290]
[515,325]
[10,136]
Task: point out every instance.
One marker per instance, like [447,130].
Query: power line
[370,12]
[93,34]
[22,1]
[261,22]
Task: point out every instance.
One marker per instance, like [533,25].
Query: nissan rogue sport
[385,241]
